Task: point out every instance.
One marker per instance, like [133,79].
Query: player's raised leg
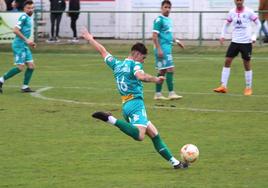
[124,126]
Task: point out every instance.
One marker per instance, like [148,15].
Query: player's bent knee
[21,67]
[228,60]
[141,138]
[31,66]
[153,134]
[142,131]
[151,130]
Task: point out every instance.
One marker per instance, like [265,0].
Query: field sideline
[48,139]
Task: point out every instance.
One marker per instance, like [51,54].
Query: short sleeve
[229,17]
[157,25]
[138,68]
[252,16]
[21,21]
[110,61]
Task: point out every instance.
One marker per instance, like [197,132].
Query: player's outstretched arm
[17,32]
[89,37]
[149,78]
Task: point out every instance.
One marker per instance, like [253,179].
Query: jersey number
[122,86]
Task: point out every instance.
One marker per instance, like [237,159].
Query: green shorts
[134,112]
[167,60]
[22,54]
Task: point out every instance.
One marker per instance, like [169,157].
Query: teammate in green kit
[129,75]
[163,40]
[21,50]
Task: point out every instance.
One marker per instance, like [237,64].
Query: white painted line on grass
[180,92]
[148,90]
[38,94]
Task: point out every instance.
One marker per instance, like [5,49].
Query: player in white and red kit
[242,39]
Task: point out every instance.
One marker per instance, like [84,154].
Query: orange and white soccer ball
[189,153]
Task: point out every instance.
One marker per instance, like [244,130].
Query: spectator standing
[19,4]
[8,4]
[74,5]
[14,6]
[263,6]
[55,18]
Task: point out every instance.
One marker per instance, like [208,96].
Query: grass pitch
[52,141]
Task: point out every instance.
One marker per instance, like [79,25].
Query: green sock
[161,147]
[27,76]
[169,78]
[158,87]
[12,72]
[128,129]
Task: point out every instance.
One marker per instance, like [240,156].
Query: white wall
[129,25]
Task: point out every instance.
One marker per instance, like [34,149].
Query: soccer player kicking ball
[129,75]
[163,40]
[21,50]
[241,18]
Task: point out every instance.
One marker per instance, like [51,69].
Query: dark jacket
[74,4]
[20,4]
[57,5]
[8,2]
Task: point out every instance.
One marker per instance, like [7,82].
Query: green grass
[57,144]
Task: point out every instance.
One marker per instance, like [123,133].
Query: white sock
[112,120]
[158,94]
[248,78]
[2,79]
[174,161]
[225,76]
[171,93]
[24,86]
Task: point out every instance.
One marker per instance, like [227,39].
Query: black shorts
[244,49]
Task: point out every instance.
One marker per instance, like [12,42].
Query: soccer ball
[189,153]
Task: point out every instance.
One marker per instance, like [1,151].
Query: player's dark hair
[28,2]
[140,47]
[166,2]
